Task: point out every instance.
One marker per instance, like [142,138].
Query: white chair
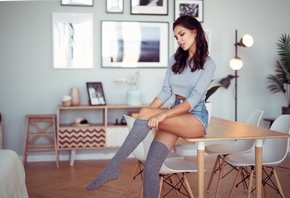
[274,152]
[173,172]
[238,146]
[139,154]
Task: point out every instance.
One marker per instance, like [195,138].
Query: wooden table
[220,130]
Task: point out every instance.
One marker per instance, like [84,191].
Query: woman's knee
[145,113]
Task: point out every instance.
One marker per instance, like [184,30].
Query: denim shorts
[199,111]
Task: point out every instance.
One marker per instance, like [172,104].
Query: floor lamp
[236,64]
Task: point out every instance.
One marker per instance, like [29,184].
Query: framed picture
[115,6]
[77,2]
[96,93]
[151,7]
[134,44]
[72,41]
[189,7]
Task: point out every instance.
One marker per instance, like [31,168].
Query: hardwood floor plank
[43,180]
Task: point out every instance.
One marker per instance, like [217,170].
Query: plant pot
[134,98]
[285,110]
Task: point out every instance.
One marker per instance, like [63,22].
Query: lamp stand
[236,95]
[236,78]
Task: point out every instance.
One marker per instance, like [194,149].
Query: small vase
[134,98]
[75,96]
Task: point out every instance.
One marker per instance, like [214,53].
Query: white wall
[29,84]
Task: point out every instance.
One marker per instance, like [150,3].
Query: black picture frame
[96,93]
[147,7]
[134,44]
[115,6]
[189,7]
[88,3]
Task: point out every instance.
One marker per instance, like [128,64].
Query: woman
[188,76]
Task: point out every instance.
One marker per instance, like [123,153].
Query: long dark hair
[201,53]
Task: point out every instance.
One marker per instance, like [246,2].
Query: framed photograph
[115,6]
[134,44]
[151,7]
[96,93]
[189,7]
[72,41]
[77,2]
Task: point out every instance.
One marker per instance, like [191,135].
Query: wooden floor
[44,180]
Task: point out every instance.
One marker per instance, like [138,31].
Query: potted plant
[133,95]
[280,82]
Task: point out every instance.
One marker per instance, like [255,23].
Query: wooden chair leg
[188,186]
[215,166]
[131,180]
[141,191]
[278,183]
[160,187]
[235,182]
[220,178]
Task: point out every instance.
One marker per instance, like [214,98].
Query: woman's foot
[101,179]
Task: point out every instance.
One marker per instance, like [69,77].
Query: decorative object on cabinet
[96,93]
[189,7]
[77,2]
[115,6]
[149,7]
[134,44]
[102,130]
[280,82]
[134,96]
[66,101]
[72,41]
[75,96]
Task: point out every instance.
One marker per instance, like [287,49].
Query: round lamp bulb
[248,40]
[236,63]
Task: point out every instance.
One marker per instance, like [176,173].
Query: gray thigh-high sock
[155,158]
[137,134]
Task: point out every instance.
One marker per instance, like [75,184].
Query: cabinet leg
[72,157]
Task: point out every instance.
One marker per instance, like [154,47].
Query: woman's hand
[155,120]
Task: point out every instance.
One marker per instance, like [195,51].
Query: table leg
[200,169]
[258,166]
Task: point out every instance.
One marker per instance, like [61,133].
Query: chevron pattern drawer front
[69,138]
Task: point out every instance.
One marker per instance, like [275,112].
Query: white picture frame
[134,44]
[149,7]
[77,2]
[115,6]
[189,7]
[72,41]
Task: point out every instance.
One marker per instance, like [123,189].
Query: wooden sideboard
[103,129]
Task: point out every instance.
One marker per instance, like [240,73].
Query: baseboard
[100,154]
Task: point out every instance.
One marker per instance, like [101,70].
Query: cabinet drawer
[81,137]
[116,135]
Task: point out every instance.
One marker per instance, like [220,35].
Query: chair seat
[238,146]
[177,166]
[248,159]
